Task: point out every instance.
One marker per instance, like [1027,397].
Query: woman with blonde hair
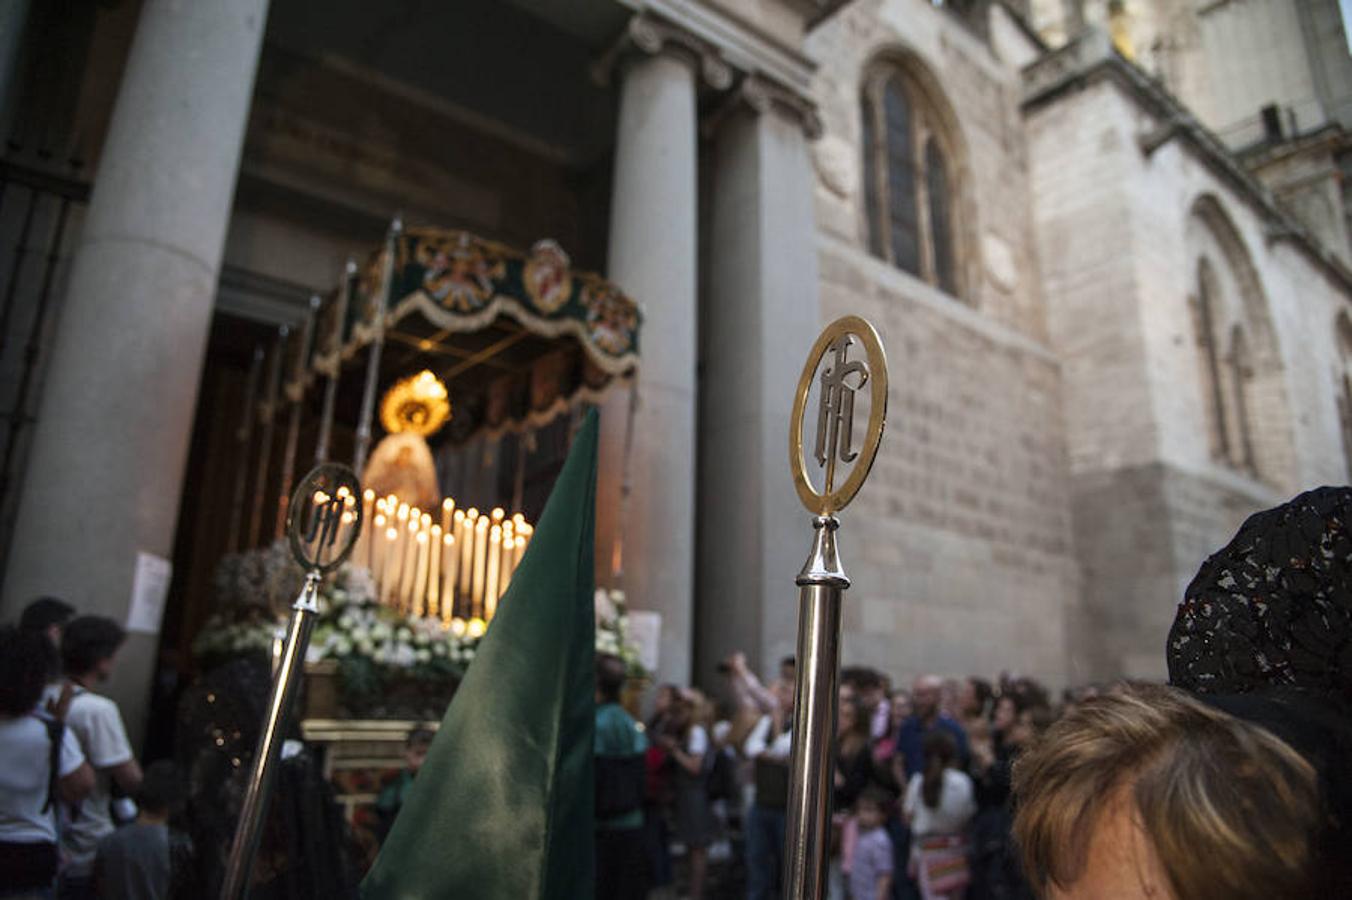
[1148,792]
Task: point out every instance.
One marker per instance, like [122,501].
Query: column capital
[650,35]
[762,95]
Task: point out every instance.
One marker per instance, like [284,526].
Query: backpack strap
[56,730]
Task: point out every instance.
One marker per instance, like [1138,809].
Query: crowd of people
[921,795]
[1232,782]
[79,818]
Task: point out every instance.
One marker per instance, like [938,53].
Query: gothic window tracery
[1227,374]
[1213,387]
[909,188]
[1243,401]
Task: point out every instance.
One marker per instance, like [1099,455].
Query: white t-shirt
[697,741]
[956,806]
[25,776]
[97,725]
[760,740]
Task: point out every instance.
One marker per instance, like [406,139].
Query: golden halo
[418,404]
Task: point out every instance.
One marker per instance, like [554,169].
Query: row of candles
[454,569]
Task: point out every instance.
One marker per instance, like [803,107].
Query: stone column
[760,316]
[111,441]
[652,257]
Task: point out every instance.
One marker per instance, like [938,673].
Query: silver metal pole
[331,385]
[811,762]
[265,450]
[368,397]
[242,435]
[259,791]
[293,422]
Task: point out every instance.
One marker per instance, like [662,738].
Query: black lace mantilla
[1274,607]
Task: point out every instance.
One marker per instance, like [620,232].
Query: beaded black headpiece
[1273,608]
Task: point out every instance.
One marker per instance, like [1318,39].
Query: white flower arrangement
[612,629]
[354,627]
[354,624]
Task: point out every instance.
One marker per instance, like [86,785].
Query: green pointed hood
[503,806]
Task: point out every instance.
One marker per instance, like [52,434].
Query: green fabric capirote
[504,806]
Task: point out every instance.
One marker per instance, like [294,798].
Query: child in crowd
[140,861]
[871,864]
[391,799]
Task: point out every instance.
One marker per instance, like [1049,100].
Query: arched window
[1241,374]
[941,229]
[908,180]
[1243,394]
[1227,374]
[1213,389]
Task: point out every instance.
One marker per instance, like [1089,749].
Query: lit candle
[518,551]
[390,569]
[376,550]
[476,590]
[419,594]
[447,507]
[406,574]
[434,554]
[397,551]
[466,540]
[450,564]
[508,560]
[494,569]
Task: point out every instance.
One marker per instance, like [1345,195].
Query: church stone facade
[1142,348]
[1109,264]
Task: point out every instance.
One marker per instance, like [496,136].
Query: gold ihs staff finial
[841,379]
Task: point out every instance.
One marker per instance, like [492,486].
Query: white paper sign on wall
[644,631]
[149,589]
